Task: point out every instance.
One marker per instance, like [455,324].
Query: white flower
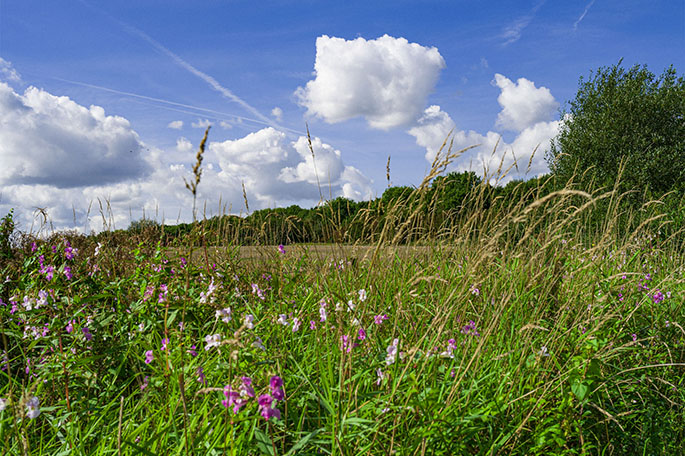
[544,351]
[296,324]
[392,352]
[3,404]
[224,314]
[248,321]
[350,306]
[380,375]
[362,295]
[213,340]
[258,343]
[283,320]
[33,407]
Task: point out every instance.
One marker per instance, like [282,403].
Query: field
[549,325]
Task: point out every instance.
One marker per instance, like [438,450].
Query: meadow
[549,324]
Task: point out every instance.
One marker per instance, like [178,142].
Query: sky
[103,104]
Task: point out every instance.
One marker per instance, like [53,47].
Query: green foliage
[6,233]
[627,121]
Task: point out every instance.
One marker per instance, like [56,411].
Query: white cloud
[277,113]
[431,130]
[8,72]
[175,125]
[513,31]
[526,110]
[523,104]
[51,140]
[183,145]
[278,171]
[201,123]
[386,80]
[225,125]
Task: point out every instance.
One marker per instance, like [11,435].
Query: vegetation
[628,123]
[541,318]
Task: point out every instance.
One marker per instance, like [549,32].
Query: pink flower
[281,249]
[192,351]
[361,334]
[378,319]
[70,326]
[165,341]
[149,357]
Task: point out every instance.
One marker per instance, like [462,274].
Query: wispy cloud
[213,83]
[582,16]
[513,31]
[217,114]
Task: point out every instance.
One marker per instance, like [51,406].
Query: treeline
[449,206]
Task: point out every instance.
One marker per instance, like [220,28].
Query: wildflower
[378,319]
[470,329]
[350,306]
[97,249]
[543,351]
[232,399]
[296,324]
[87,334]
[181,326]
[392,352]
[165,341]
[70,326]
[258,343]
[380,375]
[149,357]
[184,262]
[148,292]
[322,312]
[361,334]
[224,314]
[474,290]
[281,249]
[283,320]
[248,321]
[33,407]
[213,340]
[209,295]
[200,375]
[141,327]
[42,299]
[265,402]
[276,384]
[634,336]
[34,247]
[657,297]
[451,345]
[258,291]
[346,344]
[192,351]
[312,325]
[67,273]
[70,252]
[3,402]
[146,381]
[362,295]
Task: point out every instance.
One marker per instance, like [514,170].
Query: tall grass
[547,324]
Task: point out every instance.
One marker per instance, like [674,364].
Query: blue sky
[371,79]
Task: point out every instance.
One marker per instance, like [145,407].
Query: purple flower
[657,297]
[361,334]
[149,357]
[192,351]
[33,407]
[281,249]
[312,324]
[276,382]
[70,326]
[378,319]
[87,334]
[146,380]
[165,341]
[34,247]
[200,375]
[634,336]
[67,273]
[265,409]
[70,252]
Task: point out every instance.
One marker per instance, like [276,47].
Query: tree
[625,116]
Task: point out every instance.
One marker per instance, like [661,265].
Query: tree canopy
[625,117]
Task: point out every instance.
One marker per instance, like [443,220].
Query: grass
[541,326]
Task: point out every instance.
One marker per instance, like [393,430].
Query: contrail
[582,16]
[213,83]
[173,103]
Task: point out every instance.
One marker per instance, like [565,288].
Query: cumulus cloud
[431,130]
[183,145]
[526,110]
[225,125]
[523,104]
[277,113]
[278,171]
[386,80]
[50,140]
[175,125]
